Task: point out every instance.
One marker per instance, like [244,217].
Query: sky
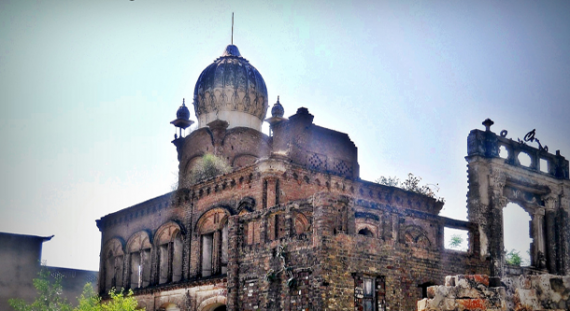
[88,88]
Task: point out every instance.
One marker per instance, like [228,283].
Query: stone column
[494,222]
[270,192]
[538,239]
[216,252]
[496,241]
[564,235]
[233,262]
[550,243]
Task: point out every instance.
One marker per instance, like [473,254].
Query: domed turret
[183,112]
[182,119]
[277,110]
[232,90]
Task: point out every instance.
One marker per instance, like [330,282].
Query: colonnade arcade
[164,256]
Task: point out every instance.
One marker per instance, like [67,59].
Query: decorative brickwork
[293,227]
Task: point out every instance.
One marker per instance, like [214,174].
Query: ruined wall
[541,188]
[520,293]
[315,216]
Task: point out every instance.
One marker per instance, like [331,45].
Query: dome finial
[232,28]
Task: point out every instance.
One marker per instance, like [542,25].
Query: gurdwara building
[293,227]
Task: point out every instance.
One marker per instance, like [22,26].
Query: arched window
[139,251]
[213,230]
[366,232]
[112,266]
[169,246]
[415,236]
[301,223]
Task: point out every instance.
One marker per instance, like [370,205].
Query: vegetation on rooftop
[208,166]
[412,183]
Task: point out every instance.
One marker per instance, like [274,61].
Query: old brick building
[293,227]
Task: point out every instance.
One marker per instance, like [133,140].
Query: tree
[209,166]
[455,241]
[50,296]
[90,301]
[513,258]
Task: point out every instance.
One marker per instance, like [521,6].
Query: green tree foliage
[455,241]
[513,258]
[89,300]
[49,297]
[209,166]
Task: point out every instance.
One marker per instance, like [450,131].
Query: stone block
[526,299]
[463,292]
[480,279]
[450,280]
[422,304]
[471,304]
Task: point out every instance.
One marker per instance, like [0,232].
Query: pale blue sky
[88,88]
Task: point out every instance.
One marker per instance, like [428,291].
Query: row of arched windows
[141,262]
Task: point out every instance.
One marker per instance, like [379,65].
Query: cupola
[232,90]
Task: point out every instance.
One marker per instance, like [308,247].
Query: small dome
[232,90]
[183,112]
[277,110]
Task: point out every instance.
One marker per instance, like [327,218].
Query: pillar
[550,233]
[538,239]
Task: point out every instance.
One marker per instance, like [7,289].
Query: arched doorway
[169,307]
[517,237]
[216,303]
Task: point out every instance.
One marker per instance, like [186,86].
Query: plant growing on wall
[513,258]
[455,241]
[208,166]
[271,275]
[412,183]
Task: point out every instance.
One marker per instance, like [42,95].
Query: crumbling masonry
[293,227]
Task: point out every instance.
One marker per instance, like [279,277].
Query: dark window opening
[424,288]
[366,232]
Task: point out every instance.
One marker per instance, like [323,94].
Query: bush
[412,183]
[209,166]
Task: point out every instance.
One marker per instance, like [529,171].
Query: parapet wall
[520,293]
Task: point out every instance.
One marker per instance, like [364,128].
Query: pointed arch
[139,258]
[301,223]
[212,227]
[112,264]
[168,242]
[416,236]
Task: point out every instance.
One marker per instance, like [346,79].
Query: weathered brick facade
[293,227]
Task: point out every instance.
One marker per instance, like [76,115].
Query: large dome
[231,89]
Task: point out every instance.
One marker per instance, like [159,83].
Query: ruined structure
[293,227]
[20,263]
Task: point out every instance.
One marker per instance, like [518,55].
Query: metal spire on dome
[232,28]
